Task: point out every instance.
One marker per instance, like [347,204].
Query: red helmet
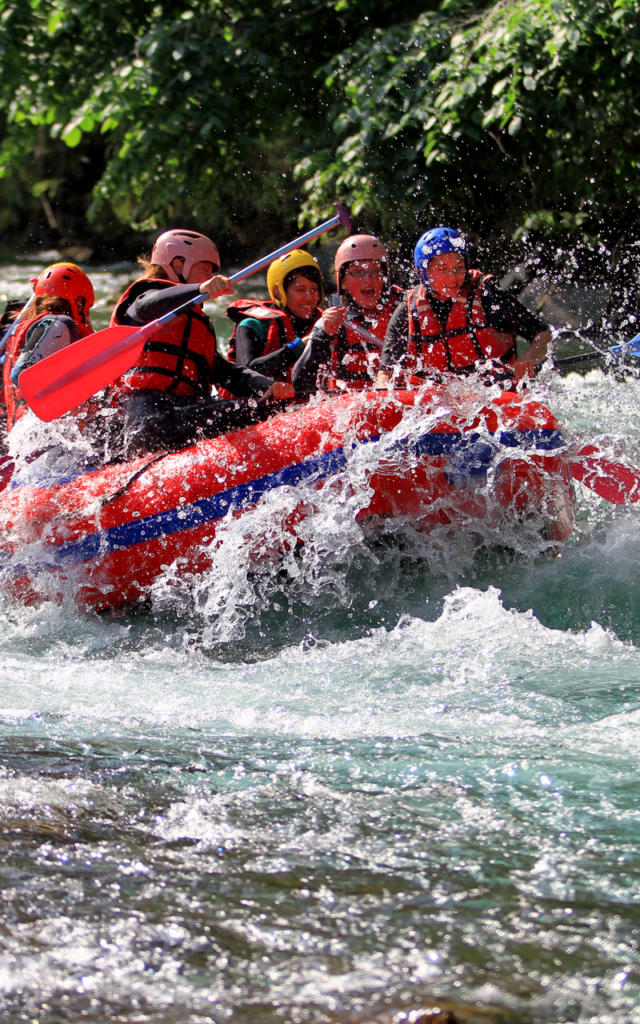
[359,247]
[67,281]
[191,246]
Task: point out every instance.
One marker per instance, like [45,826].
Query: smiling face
[446,275]
[363,281]
[302,296]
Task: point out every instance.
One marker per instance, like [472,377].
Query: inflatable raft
[426,455]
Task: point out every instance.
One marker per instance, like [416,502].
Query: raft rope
[132,479]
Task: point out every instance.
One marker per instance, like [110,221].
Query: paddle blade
[69,377]
[6,470]
[630,348]
[345,217]
[612,481]
[633,346]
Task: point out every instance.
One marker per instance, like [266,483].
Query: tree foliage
[519,115]
[192,111]
[516,116]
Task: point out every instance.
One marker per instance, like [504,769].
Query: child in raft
[167,399]
[336,354]
[269,332]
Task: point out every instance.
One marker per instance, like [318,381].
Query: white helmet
[191,246]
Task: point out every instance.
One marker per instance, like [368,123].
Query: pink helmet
[67,281]
[190,245]
[359,247]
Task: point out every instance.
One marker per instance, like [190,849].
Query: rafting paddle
[66,379]
[364,333]
[628,348]
[612,481]
[584,359]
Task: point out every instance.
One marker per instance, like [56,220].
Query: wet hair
[150,271]
[45,304]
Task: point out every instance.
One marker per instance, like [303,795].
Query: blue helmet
[437,242]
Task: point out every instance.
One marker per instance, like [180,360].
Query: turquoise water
[386,774]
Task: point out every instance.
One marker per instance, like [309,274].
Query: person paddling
[365,298]
[269,332]
[167,398]
[56,316]
[457,320]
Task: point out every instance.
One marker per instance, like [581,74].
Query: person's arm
[156,300]
[247,383]
[249,340]
[538,348]
[277,363]
[240,380]
[506,313]
[317,353]
[395,343]
[46,336]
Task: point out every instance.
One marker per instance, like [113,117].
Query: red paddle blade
[6,470]
[69,377]
[612,481]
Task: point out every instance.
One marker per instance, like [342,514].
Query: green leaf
[72,136]
[515,124]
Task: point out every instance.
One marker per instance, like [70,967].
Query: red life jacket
[10,314]
[179,357]
[280,330]
[358,366]
[464,341]
[14,402]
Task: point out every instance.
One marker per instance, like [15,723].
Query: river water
[399,774]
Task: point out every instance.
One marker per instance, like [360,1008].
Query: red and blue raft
[111,532]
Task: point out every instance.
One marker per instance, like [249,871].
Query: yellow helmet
[280,269]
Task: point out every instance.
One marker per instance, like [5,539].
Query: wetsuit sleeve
[277,363]
[507,314]
[250,339]
[46,336]
[317,353]
[239,380]
[156,301]
[395,339]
